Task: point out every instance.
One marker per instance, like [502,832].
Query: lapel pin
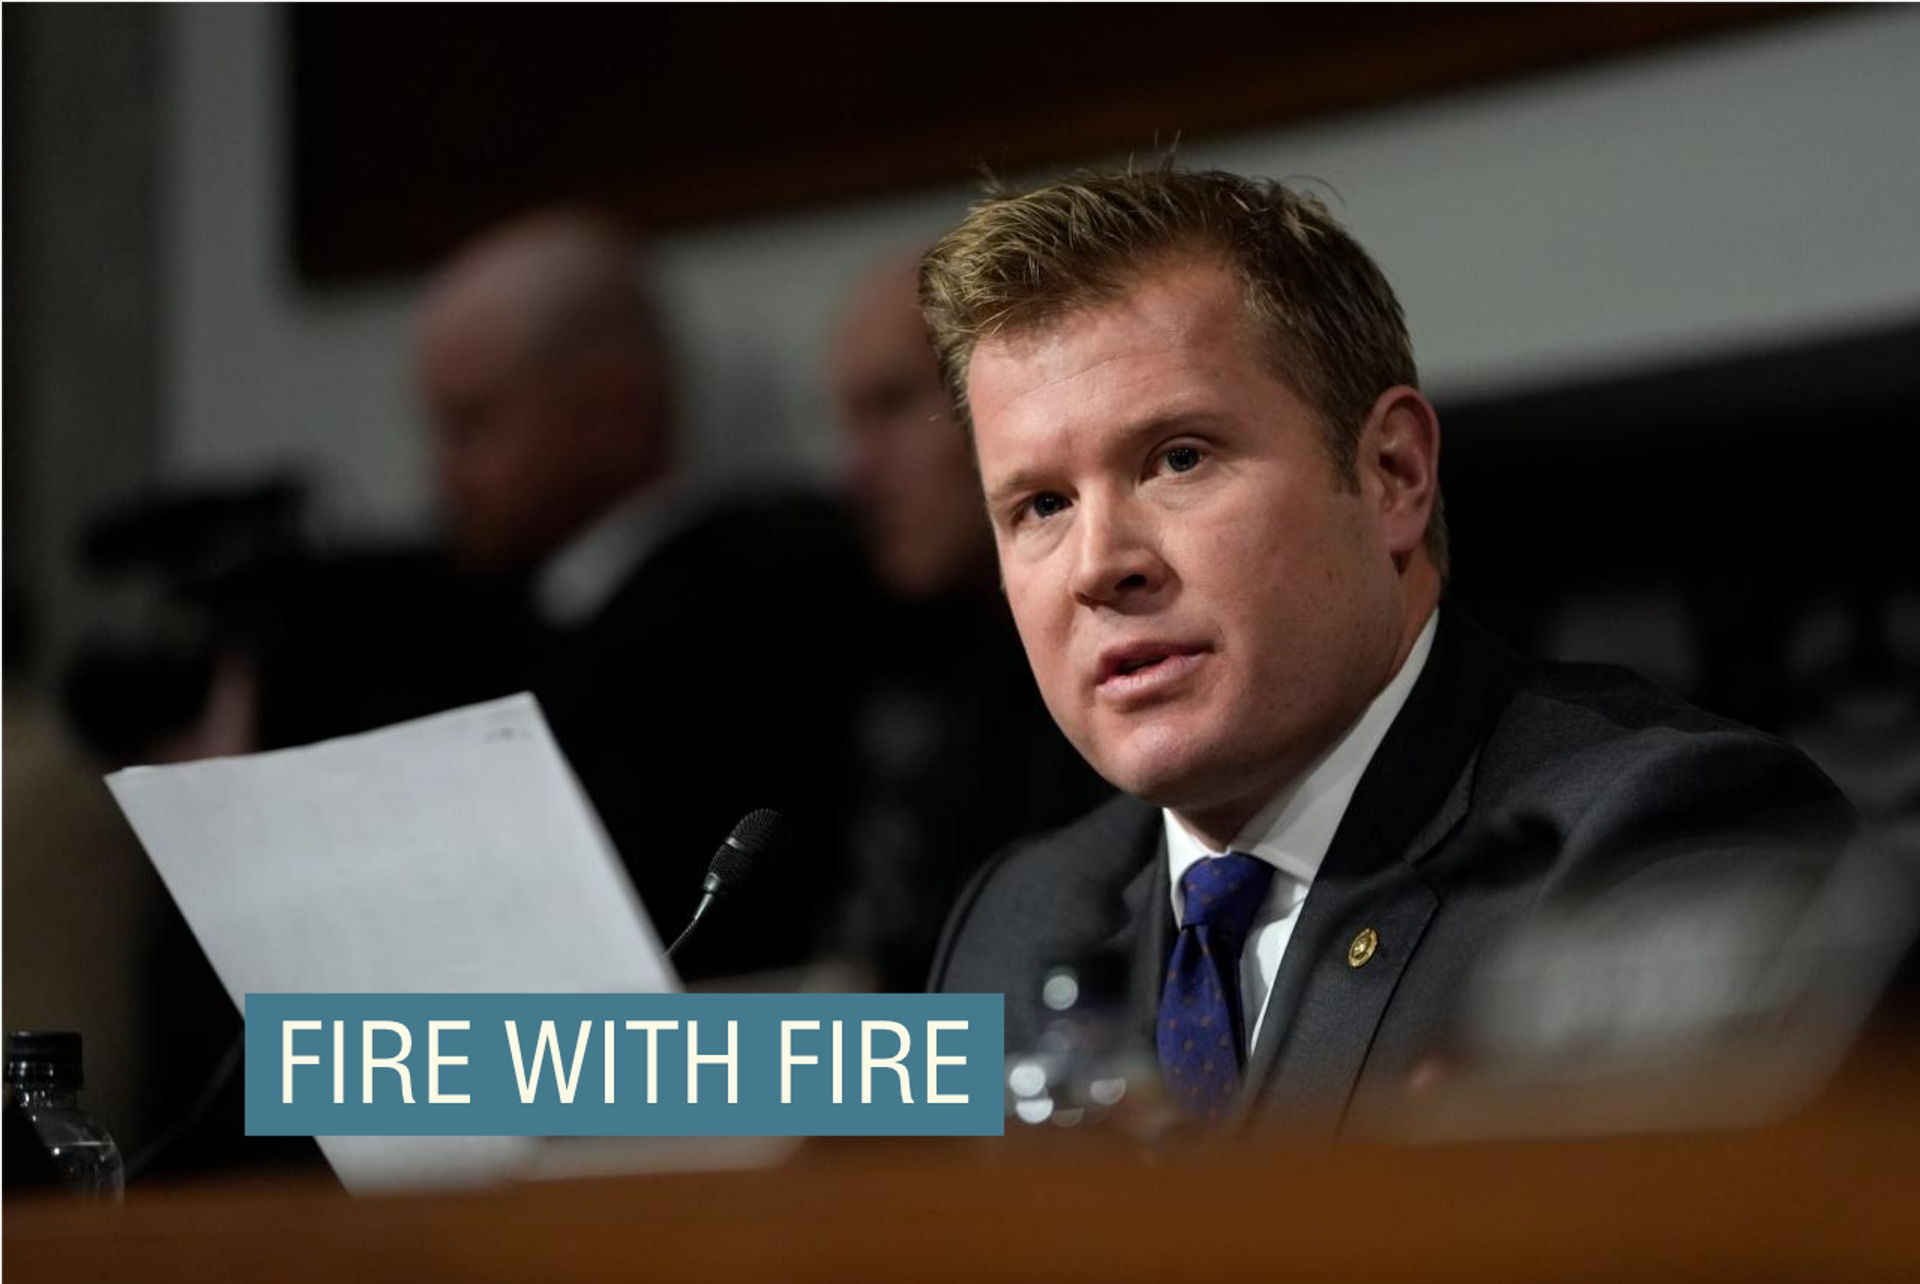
[1364,943]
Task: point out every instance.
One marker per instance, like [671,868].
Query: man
[545,378]
[1214,486]
[910,473]
[689,654]
[946,713]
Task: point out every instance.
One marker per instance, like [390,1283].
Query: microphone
[760,836]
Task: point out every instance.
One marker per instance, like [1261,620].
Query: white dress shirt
[1292,833]
[574,583]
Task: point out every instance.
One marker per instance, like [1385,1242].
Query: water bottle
[43,1085]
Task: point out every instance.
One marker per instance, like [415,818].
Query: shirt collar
[1294,830]
[574,583]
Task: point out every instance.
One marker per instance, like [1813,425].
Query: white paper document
[456,853]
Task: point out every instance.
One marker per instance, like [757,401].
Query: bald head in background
[541,363]
[910,475]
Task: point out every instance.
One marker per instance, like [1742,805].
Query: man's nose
[1117,560]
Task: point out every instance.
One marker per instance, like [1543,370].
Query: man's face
[1205,603]
[500,444]
[910,469]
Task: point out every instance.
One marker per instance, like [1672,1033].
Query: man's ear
[1399,465]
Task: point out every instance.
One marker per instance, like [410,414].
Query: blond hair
[1331,327]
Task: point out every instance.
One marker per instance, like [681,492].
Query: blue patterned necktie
[1202,1030]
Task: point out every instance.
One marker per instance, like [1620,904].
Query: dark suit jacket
[1503,787]
[713,682]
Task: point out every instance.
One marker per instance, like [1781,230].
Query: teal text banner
[632,1065]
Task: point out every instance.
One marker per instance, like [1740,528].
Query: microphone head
[759,837]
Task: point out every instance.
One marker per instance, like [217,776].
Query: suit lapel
[1324,1012]
[1151,908]
[1139,932]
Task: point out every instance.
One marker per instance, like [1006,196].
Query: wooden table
[1835,1194]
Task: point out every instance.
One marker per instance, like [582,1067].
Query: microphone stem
[705,901]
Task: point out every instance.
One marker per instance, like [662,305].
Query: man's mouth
[1138,663]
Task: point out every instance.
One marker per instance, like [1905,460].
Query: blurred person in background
[953,752]
[545,375]
[688,647]
[691,652]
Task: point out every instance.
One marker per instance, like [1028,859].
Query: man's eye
[1183,459]
[1046,504]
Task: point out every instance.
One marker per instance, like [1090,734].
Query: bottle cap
[44,1056]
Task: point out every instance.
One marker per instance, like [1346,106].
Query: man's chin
[1163,779]
[1191,776]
